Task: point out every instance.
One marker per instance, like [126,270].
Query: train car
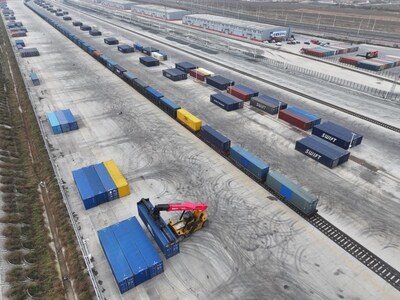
[188,120]
[291,193]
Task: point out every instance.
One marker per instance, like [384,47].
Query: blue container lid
[323,147]
[255,160]
[170,103]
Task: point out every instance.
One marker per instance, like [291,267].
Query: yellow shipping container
[205,72]
[188,119]
[118,178]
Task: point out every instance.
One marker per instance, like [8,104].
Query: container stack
[125,49]
[185,66]
[226,102]
[242,92]
[330,50]
[175,74]
[149,50]
[322,151]
[100,183]
[130,254]
[373,64]
[29,52]
[62,121]
[199,74]
[268,104]
[337,135]
[299,118]
[219,82]
[149,61]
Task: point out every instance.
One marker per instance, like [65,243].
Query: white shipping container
[157,55]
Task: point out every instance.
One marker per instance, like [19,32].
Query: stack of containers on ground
[242,92]
[149,61]
[249,163]
[299,118]
[125,49]
[131,256]
[100,183]
[268,104]
[175,74]
[337,135]
[62,121]
[185,66]
[226,102]
[330,50]
[162,234]
[322,151]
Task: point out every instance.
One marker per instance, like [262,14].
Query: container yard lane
[252,247]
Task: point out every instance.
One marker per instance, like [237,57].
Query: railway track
[362,254]
[277,85]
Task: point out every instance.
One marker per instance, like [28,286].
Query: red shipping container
[294,120]
[196,74]
[238,93]
[351,60]
[314,52]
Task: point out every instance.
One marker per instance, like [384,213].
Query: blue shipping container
[116,259]
[268,104]
[129,76]
[226,102]
[165,238]
[185,66]
[107,181]
[169,106]
[249,162]
[292,193]
[84,189]
[149,253]
[55,125]
[73,124]
[337,135]
[216,139]
[322,151]
[153,95]
[63,121]
[133,256]
[97,187]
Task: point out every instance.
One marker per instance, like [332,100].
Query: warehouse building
[160,12]
[118,4]
[238,28]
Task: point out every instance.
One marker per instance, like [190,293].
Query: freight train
[290,193]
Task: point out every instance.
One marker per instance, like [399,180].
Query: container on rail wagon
[322,151]
[242,92]
[174,74]
[54,123]
[169,106]
[268,104]
[116,259]
[219,82]
[189,120]
[165,239]
[132,229]
[185,66]
[217,140]
[118,178]
[226,102]
[153,95]
[119,70]
[249,162]
[129,76]
[292,193]
[337,135]
[84,189]
[107,181]
[139,85]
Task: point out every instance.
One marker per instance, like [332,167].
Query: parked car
[307,43]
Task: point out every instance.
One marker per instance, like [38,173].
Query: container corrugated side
[189,120]
[337,135]
[84,189]
[116,259]
[107,181]
[131,252]
[96,185]
[166,240]
[169,106]
[292,193]
[153,95]
[294,119]
[118,178]
[248,161]
[54,123]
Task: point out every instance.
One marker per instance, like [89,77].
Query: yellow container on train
[118,178]
[185,117]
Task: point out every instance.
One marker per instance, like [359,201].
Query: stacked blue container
[107,181]
[63,121]
[85,191]
[55,125]
[249,162]
[99,192]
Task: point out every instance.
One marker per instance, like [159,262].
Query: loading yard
[120,112]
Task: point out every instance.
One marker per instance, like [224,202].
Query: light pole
[279,108]
[351,141]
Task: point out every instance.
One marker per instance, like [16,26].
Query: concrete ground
[254,246]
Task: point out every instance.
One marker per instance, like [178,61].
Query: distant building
[238,28]
[160,12]
[118,4]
